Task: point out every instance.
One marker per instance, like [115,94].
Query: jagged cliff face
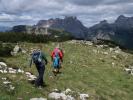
[30,29]
[124,22]
[69,24]
[120,32]
[103,30]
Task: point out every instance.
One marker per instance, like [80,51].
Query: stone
[114,57]
[99,46]
[113,64]
[24,51]
[68,91]
[117,51]
[89,43]
[105,53]
[57,96]
[84,96]
[6,82]
[20,71]
[33,77]
[11,87]
[27,73]
[5,71]
[1,71]
[30,76]
[38,98]
[128,70]
[69,97]
[56,90]
[11,70]
[3,64]
[111,49]
[16,49]
[3,78]
[56,36]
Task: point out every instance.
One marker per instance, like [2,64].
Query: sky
[90,12]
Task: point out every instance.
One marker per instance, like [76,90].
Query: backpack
[57,50]
[56,61]
[36,57]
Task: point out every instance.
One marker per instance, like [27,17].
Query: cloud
[88,11]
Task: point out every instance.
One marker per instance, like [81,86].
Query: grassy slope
[82,71]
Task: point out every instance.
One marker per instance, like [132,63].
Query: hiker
[57,59]
[40,61]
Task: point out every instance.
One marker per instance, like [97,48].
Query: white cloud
[88,11]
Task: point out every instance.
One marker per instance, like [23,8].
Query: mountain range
[119,32]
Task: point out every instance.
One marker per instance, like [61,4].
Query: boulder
[113,64]
[16,49]
[89,43]
[56,90]
[20,71]
[12,71]
[105,53]
[69,97]
[84,96]
[129,69]
[68,91]
[57,96]
[3,64]
[3,78]
[6,82]
[11,87]
[30,76]
[38,98]
[1,71]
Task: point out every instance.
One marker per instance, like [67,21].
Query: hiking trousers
[40,68]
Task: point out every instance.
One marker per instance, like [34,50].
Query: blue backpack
[56,61]
[36,57]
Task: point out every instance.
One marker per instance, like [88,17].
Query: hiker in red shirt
[57,59]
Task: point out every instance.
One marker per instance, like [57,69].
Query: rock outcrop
[30,29]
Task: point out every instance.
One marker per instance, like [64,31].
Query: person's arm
[61,55]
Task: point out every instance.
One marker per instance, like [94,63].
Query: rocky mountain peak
[121,18]
[70,24]
[104,22]
[124,22]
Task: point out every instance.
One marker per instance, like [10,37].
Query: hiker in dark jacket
[39,59]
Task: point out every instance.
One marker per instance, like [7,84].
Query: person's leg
[37,83]
[54,66]
[41,73]
[59,65]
